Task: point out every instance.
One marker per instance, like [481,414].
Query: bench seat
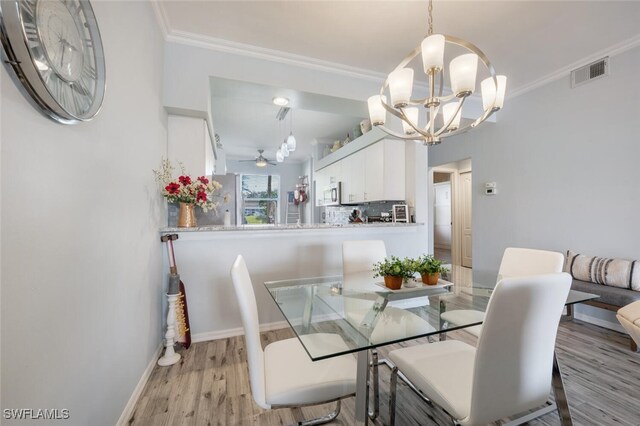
[611,298]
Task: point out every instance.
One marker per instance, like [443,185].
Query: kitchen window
[260,199]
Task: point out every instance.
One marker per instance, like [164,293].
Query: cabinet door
[347,180]
[374,172]
[189,143]
[321,179]
[394,179]
[355,185]
[334,174]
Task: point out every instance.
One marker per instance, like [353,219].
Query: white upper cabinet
[375,173]
[189,143]
[353,170]
[325,178]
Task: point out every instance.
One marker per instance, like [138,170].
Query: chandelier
[462,76]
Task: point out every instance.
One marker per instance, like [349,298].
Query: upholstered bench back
[618,273]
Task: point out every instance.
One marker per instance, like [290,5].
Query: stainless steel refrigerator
[230,187]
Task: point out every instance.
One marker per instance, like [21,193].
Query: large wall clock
[53,48]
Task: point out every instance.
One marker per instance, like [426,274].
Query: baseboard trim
[233,332]
[133,400]
[599,322]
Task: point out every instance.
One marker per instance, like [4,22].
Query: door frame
[456,225]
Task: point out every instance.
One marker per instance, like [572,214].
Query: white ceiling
[244,117]
[526,40]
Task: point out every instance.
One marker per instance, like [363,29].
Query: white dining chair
[509,371]
[360,255]
[516,262]
[358,258]
[283,375]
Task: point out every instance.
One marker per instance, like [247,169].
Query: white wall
[566,165]
[205,260]
[81,258]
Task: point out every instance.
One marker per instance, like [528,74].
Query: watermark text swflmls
[35,413]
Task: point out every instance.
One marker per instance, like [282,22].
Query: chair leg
[392,396]
[324,419]
[375,410]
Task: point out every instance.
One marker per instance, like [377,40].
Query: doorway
[442,219]
[452,218]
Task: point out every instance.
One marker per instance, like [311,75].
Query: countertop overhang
[271,230]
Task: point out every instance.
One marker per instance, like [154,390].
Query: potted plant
[394,271]
[429,268]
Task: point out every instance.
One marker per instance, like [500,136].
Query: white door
[442,218]
[465,213]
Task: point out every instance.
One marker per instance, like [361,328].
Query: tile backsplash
[340,214]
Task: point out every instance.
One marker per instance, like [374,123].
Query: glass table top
[366,314]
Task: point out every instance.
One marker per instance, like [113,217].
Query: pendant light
[284,149]
[291,140]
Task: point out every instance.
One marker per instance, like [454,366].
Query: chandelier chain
[430,9]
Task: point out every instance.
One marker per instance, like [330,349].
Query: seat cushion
[609,295]
[392,324]
[464,316]
[631,312]
[443,371]
[292,378]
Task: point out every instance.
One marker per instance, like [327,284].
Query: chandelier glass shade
[444,111]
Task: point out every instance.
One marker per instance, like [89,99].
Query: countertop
[312,226]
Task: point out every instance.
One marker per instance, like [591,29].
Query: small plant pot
[431,279]
[392,282]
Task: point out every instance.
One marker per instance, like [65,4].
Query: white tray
[419,286]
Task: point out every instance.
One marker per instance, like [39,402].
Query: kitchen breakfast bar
[204,256]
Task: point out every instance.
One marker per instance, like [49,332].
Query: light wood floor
[210,386]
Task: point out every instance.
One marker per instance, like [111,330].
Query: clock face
[62,63]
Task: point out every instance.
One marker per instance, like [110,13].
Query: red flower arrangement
[184,189]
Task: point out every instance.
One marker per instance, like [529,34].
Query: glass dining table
[357,308]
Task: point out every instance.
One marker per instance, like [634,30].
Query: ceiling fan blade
[241,161]
[272,163]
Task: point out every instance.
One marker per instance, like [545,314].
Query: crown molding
[161,17]
[247,50]
[614,50]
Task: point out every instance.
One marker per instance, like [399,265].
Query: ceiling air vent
[587,73]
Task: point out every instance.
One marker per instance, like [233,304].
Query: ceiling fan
[260,160]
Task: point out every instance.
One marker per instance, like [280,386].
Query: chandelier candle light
[462,75]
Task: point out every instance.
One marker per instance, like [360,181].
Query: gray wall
[81,258]
[566,165]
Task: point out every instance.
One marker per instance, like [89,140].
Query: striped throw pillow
[620,273]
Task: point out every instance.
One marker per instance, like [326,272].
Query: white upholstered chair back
[514,356]
[359,256]
[518,262]
[249,314]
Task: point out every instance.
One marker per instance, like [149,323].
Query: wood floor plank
[211,385]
